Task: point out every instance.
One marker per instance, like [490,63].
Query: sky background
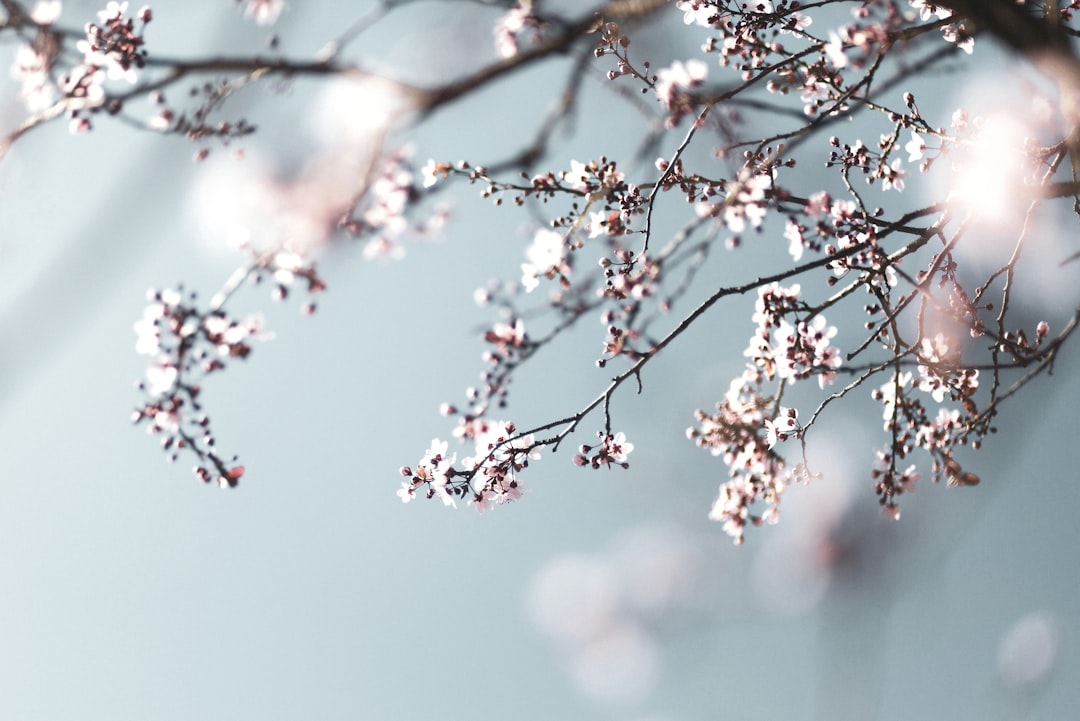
[131,591]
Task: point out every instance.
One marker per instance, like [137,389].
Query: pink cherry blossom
[782,427]
[928,9]
[915,147]
[46,12]
[698,12]
[545,256]
[263,12]
[892,176]
[834,51]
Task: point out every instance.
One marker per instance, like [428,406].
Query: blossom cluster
[786,351]
[186,344]
[757,89]
[911,425]
[112,50]
[486,478]
[383,214]
[844,234]
[745,202]
[757,473]
[613,450]
[83,73]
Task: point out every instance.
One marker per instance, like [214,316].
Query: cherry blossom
[834,50]
[941,370]
[892,176]
[745,201]
[31,70]
[114,45]
[928,9]
[545,257]
[698,12]
[511,25]
[915,147]
[889,483]
[679,76]
[887,393]
[673,82]
[263,12]
[613,450]
[782,427]
[958,34]
[796,22]
[46,12]
[755,198]
[793,232]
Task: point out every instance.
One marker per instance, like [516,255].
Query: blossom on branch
[673,82]
[545,257]
[114,46]
[631,243]
[784,426]
[512,24]
[31,69]
[613,450]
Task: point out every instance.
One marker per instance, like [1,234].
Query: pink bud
[232,476]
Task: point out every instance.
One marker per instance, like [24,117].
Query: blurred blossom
[233,201]
[608,613]
[989,170]
[574,597]
[1028,650]
[46,12]
[354,113]
[659,569]
[620,666]
[545,256]
[791,574]
[263,12]
[245,201]
[31,69]
[796,564]
[513,24]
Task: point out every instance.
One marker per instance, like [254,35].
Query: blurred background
[131,591]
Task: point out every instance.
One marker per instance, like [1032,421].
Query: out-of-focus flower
[1028,650]
[46,12]
[263,12]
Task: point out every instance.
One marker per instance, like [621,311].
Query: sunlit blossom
[990,168]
